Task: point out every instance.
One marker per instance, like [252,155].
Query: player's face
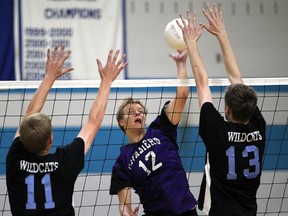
[134,117]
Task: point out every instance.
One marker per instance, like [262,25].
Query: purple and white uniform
[153,168]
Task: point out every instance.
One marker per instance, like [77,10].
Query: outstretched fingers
[214,17]
[215,10]
[220,12]
[54,65]
[113,66]
[62,58]
[188,17]
[109,56]
[183,24]
[60,54]
[48,55]
[213,14]
[99,64]
[115,57]
[112,59]
[55,52]
[210,11]
[194,19]
[120,64]
[206,15]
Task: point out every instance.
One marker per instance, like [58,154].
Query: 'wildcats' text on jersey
[43,167]
[244,137]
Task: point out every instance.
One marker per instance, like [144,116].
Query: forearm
[198,68]
[231,65]
[182,91]
[96,115]
[39,98]
[175,108]
[124,197]
[200,75]
[99,105]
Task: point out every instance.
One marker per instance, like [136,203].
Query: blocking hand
[55,63]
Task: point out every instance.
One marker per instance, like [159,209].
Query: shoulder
[210,119]
[76,147]
[207,106]
[208,112]
[258,115]
[16,147]
[77,142]
[258,119]
[162,119]
[71,157]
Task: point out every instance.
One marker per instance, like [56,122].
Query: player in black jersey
[150,163]
[235,146]
[40,182]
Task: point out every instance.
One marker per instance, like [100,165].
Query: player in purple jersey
[234,148]
[40,182]
[150,164]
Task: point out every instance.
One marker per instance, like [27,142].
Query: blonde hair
[127,101]
[35,131]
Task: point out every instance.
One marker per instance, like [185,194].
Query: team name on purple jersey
[146,144]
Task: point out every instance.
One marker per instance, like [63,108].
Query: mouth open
[138,120]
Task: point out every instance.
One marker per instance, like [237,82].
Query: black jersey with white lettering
[154,169]
[233,163]
[43,185]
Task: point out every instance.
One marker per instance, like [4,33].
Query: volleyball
[174,36]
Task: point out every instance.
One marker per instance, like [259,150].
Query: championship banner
[89,28]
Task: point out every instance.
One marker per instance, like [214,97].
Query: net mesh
[68,105]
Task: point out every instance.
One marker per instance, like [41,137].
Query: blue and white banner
[89,28]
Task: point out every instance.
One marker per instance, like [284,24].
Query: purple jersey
[153,168]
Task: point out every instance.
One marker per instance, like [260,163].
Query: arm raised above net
[176,106]
[53,70]
[191,34]
[108,74]
[216,27]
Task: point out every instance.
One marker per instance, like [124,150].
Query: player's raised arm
[53,70]
[217,28]
[175,107]
[108,74]
[191,34]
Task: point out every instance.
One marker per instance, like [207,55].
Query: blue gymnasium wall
[101,156]
[109,140]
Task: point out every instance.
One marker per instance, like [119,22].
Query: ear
[227,110]
[50,140]
[228,113]
[121,122]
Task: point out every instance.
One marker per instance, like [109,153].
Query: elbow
[183,92]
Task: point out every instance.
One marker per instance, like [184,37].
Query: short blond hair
[35,131]
[120,112]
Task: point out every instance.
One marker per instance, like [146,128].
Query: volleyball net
[68,105]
